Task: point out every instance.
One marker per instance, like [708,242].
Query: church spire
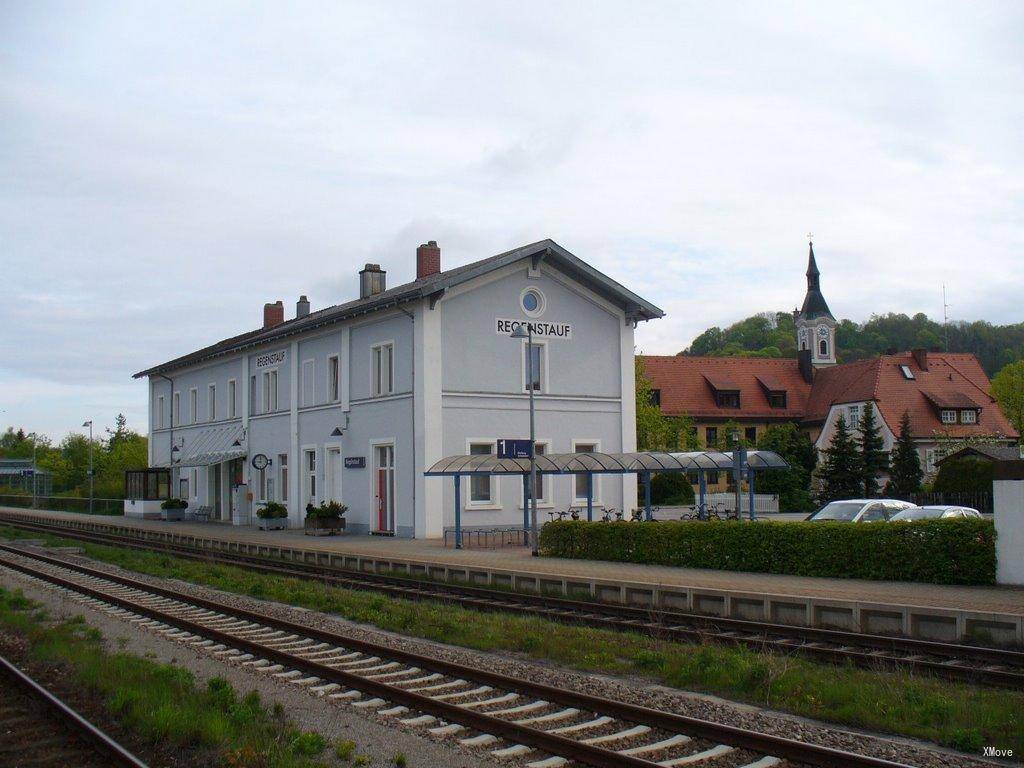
[813,275]
[814,303]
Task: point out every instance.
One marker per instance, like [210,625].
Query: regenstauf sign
[269,359]
[541,329]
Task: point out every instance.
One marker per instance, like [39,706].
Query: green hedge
[935,551]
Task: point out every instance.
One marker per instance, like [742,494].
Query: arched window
[823,348]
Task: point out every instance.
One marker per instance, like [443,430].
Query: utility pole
[89,425]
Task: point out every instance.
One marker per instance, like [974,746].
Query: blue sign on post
[28,472]
[514,449]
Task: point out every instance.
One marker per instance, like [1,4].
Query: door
[333,478]
[384,487]
[213,472]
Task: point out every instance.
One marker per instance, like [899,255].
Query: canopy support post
[703,508]
[458,511]
[647,496]
[750,490]
[590,497]
[526,509]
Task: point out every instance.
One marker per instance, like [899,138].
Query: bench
[202,514]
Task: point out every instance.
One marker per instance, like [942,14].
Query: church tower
[815,326]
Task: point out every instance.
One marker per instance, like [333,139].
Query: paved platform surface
[996,600]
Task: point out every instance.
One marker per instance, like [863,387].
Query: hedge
[935,551]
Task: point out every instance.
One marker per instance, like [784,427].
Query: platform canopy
[603,463]
[212,446]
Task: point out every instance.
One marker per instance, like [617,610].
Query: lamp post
[89,425]
[524,331]
[737,464]
[35,439]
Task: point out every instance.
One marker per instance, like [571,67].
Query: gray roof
[549,251]
[993,452]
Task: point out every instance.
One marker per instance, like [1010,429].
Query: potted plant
[272,516]
[325,520]
[173,509]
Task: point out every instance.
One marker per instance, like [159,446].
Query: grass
[956,715]
[161,703]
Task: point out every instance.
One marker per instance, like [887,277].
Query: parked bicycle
[638,515]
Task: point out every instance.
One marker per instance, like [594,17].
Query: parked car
[934,513]
[861,510]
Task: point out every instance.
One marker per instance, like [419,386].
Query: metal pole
[590,497]
[703,514]
[526,509]
[90,467]
[458,511]
[647,495]
[750,488]
[533,444]
[34,491]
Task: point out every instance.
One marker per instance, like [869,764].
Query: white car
[934,513]
[861,510]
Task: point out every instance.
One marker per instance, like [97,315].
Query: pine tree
[873,458]
[906,474]
[841,471]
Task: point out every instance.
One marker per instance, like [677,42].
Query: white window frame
[543,346]
[495,501]
[282,476]
[271,391]
[333,378]
[947,416]
[193,405]
[310,474]
[968,416]
[930,457]
[253,395]
[377,388]
[176,413]
[307,383]
[853,416]
[574,447]
[545,501]
[232,396]
[160,412]
[211,402]
[194,485]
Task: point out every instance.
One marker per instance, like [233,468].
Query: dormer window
[728,399]
[777,399]
[968,417]
[948,416]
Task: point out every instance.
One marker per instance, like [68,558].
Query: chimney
[806,366]
[273,314]
[920,357]
[428,260]
[301,307]
[371,280]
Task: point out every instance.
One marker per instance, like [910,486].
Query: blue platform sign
[355,462]
[514,449]
[28,472]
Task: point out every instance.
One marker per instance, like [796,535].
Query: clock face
[260,461]
[823,332]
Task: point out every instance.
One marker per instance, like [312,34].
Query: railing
[763,502]
[979,500]
[487,538]
[65,503]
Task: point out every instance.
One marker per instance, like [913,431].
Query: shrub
[330,510]
[272,509]
[955,551]
[174,504]
[966,475]
[670,488]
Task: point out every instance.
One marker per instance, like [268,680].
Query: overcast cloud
[166,168]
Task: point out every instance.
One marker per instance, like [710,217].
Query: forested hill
[774,335]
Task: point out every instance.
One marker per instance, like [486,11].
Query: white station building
[354,402]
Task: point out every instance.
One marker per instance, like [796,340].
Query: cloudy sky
[165,168]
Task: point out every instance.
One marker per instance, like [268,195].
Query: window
[333,379]
[929,460]
[232,407]
[211,403]
[712,477]
[580,481]
[656,397]
[282,463]
[193,405]
[711,437]
[159,420]
[822,348]
[195,481]
[176,416]
[535,366]
[539,449]
[252,395]
[728,399]
[907,373]
[270,403]
[968,417]
[874,514]
[750,433]
[854,413]
[948,416]
[308,383]
[183,488]
[532,302]
[383,369]
[482,489]
[261,485]
[310,465]
[777,399]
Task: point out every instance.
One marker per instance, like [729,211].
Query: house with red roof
[946,395]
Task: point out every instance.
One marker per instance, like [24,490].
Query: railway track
[976,664]
[38,730]
[514,719]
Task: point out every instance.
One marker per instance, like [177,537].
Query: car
[934,513]
[861,510]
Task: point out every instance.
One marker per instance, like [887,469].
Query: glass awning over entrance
[212,446]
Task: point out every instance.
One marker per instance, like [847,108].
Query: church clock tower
[815,326]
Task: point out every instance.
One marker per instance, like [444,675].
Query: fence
[65,503]
[979,500]
[486,538]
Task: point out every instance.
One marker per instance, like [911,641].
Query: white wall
[1008,503]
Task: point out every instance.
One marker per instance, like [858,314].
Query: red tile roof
[683,382]
[954,380]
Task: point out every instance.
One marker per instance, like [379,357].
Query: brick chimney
[805,364]
[273,314]
[428,260]
[920,357]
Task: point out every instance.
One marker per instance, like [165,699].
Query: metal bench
[202,514]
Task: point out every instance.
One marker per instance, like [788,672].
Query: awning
[212,446]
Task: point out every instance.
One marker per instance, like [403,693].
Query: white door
[384,488]
[333,470]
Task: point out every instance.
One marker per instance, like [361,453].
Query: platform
[932,611]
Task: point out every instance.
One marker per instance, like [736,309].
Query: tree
[905,474]
[793,485]
[654,430]
[873,458]
[1008,390]
[841,473]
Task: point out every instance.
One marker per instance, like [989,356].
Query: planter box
[272,523]
[172,514]
[328,526]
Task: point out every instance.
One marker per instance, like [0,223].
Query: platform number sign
[514,449]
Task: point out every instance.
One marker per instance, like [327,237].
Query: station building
[354,402]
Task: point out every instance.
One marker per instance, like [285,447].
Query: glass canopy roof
[603,463]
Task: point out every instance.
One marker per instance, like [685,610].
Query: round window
[532,302]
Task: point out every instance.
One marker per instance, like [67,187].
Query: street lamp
[89,425]
[524,331]
[35,439]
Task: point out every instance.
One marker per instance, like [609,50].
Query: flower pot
[272,523]
[172,514]
[324,526]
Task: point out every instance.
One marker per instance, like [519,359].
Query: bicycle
[638,515]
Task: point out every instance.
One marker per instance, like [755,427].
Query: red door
[384,465]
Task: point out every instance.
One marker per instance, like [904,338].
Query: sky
[166,168]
